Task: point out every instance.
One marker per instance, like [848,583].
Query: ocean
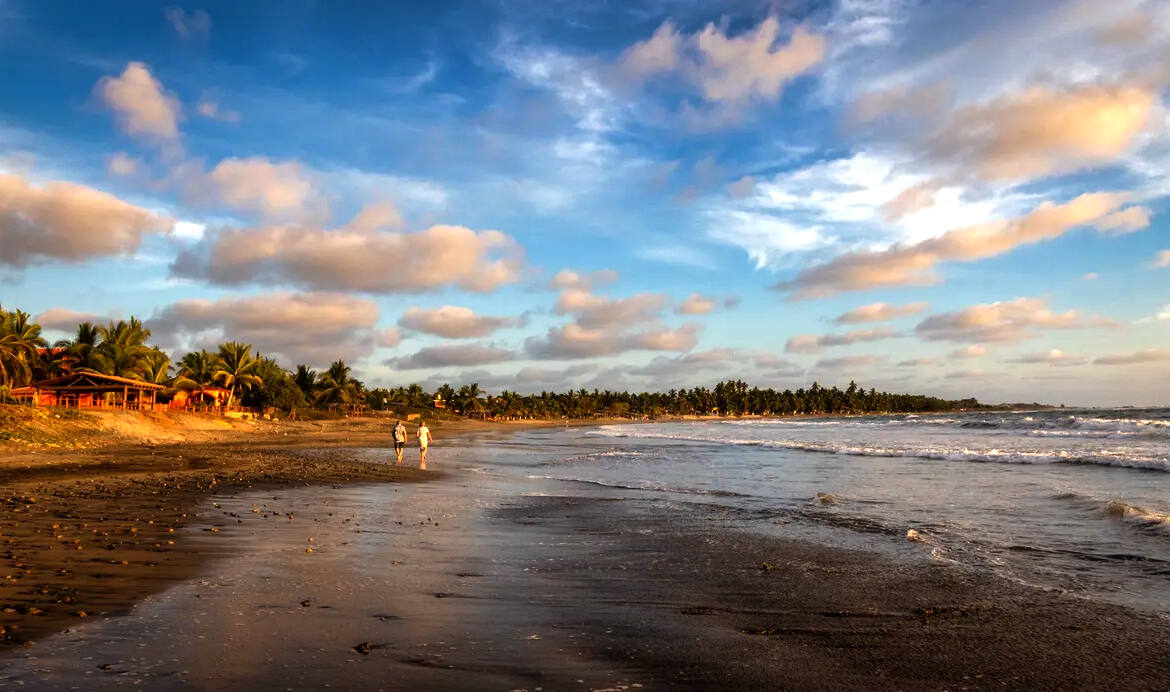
[1073,500]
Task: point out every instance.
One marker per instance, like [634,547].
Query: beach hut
[90,390]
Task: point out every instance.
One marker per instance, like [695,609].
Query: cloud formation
[1149,355]
[593,311]
[276,190]
[66,320]
[813,343]
[340,260]
[311,328]
[122,164]
[452,322]
[1001,322]
[696,304]
[972,351]
[192,25]
[1054,357]
[212,110]
[567,279]
[879,312]
[142,106]
[69,222]
[847,362]
[913,264]
[454,355]
[575,341]
[1161,259]
[754,65]
[1041,130]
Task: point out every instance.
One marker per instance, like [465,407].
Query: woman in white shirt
[424,440]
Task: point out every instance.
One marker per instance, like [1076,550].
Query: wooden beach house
[90,390]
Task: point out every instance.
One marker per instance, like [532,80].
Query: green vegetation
[121,348]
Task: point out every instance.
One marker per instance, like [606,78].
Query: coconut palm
[469,398]
[121,360]
[237,368]
[197,370]
[80,351]
[156,367]
[121,349]
[306,379]
[20,344]
[336,386]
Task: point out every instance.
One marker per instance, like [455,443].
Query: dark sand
[301,568]
[464,583]
[85,539]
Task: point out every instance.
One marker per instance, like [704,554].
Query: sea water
[1077,501]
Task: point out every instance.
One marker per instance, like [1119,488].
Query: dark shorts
[399,446]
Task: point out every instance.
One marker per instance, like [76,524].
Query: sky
[953,198]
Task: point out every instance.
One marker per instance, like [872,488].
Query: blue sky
[920,196]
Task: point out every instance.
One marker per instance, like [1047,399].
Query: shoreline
[616,589]
[475,582]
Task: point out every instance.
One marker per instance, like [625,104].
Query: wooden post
[125,393]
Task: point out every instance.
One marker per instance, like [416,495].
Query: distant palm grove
[121,348]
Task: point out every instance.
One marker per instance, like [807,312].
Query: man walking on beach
[399,441]
[424,439]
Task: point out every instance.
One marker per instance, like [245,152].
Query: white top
[424,436]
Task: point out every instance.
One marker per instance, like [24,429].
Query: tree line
[122,348]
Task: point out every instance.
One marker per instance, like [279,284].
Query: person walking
[424,440]
[399,441]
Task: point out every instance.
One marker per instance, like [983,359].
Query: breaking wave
[643,486]
[1126,512]
[1102,457]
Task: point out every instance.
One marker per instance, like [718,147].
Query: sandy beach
[302,565]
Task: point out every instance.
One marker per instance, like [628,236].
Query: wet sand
[473,582]
[88,538]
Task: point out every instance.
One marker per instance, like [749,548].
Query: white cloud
[452,322]
[972,351]
[68,222]
[575,341]
[1149,355]
[1054,357]
[813,343]
[754,65]
[312,328]
[879,312]
[1001,322]
[142,105]
[567,279]
[593,311]
[453,355]
[696,304]
[371,261]
[212,110]
[122,164]
[192,25]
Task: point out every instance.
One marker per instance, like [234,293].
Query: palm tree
[122,348]
[197,370]
[120,360]
[237,368]
[336,385]
[156,367]
[20,344]
[80,352]
[306,380]
[469,398]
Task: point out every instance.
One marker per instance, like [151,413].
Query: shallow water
[1072,500]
